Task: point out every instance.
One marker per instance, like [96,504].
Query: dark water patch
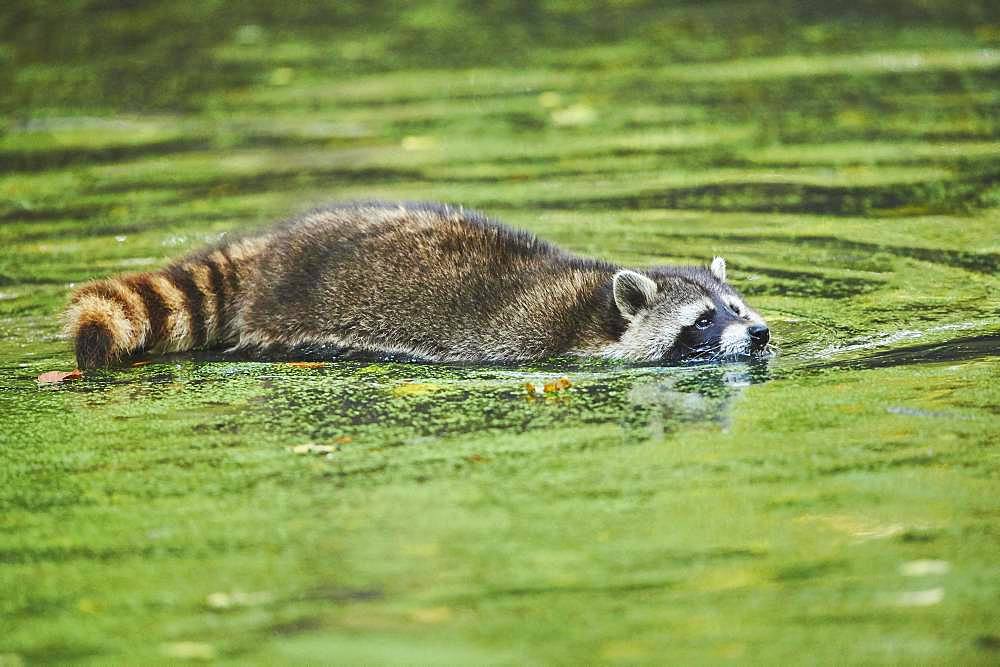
[988,263]
[517,121]
[89,231]
[943,196]
[300,179]
[295,626]
[341,594]
[816,96]
[881,464]
[811,96]
[60,158]
[62,554]
[834,134]
[7,280]
[955,162]
[612,590]
[116,57]
[985,262]
[697,157]
[79,212]
[274,140]
[957,350]
[268,181]
[987,643]
[805,571]
[807,285]
[720,158]
[919,536]
[54,554]
[43,160]
[58,652]
[833,618]
[394,99]
[40,606]
[681,559]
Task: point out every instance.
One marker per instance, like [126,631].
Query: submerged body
[427,281]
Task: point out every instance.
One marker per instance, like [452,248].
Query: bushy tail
[187,305]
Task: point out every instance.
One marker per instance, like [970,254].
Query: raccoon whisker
[696,353]
[734,349]
[705,353]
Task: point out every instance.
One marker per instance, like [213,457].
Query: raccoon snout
[759,336]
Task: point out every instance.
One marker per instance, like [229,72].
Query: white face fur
[690,315]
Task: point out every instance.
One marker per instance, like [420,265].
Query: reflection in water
[957,349]
[670,400]
[387,404]
[399,404]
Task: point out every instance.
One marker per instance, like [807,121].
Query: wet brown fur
[188,304]
[426,281]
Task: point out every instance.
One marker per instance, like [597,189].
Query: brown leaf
[557,385]
[53,377]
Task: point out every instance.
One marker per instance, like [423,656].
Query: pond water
[839,502]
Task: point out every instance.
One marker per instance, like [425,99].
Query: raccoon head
[685,314]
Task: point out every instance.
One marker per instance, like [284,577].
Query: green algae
[835,504]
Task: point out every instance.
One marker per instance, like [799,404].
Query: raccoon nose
[759,334]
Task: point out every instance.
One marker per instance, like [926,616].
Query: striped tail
[185,306]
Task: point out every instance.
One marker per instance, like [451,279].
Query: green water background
[838,504]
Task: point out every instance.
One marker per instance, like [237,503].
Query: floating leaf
[53,377]
[307,364]
[557,385]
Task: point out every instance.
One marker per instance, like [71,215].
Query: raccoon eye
[703,322]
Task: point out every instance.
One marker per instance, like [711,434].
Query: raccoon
[425,281]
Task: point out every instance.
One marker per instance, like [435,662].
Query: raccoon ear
[633,292]
[719,269]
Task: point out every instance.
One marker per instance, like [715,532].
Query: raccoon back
[430,281]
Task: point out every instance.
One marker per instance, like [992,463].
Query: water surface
[838,503]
